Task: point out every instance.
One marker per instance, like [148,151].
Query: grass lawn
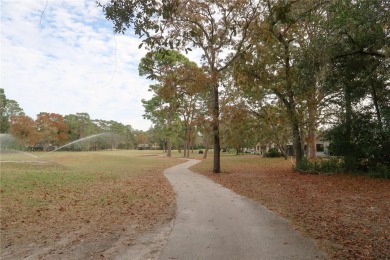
[80,203]
[77,205]
[348,216]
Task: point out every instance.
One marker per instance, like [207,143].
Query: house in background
[154,146]
[321,145]
[263,149]
[143,147]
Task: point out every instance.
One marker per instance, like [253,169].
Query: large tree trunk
[217,147]
[298,149]
[312,134]
[291,108]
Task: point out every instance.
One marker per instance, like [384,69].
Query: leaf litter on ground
[347,215]
[79,210]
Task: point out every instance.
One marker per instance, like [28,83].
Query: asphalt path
[213,222]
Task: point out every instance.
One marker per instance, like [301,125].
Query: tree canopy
[273,73]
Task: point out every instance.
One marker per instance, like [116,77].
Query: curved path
[213,222]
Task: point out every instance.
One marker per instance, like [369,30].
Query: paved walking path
[213,222]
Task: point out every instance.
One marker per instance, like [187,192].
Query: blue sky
[67,60]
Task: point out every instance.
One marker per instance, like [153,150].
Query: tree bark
[312,135]
[187,144]
[291,108]
[297,143]
[217,147]
[376,105]
[169,142]
[349,157]
[283,151]
[163,147]
[206,150]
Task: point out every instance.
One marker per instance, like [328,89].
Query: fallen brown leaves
[348,216]
[83,219]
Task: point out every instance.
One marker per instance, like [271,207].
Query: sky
[62,56]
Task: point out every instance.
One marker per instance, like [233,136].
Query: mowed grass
[79,196]
[347,215]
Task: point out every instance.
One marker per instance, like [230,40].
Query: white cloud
[69,61]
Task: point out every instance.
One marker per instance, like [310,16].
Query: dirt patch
[349,216]
[30,162]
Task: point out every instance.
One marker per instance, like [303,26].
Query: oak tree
[218,28]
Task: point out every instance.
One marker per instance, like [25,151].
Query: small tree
[24,130]
[52,129]
[175,94]
[8,109]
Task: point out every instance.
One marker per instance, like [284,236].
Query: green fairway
[72,168]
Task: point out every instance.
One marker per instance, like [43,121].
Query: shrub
[273,152]
[321,165]
[366,151]
[380,171]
